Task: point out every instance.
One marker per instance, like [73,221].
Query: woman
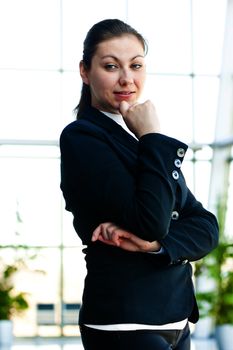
[121,178]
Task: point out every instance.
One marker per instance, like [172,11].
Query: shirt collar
[119,120]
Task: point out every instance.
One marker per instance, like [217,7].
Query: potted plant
[12,302]
[216,268]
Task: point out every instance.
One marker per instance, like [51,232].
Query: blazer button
[185,262]
[180,152]
[177,163]
[175,215]
[175,175]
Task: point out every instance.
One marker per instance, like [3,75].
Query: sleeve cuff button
[175,175]
[175,215]
[177,163]
[180,152]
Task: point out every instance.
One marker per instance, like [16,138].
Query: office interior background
[188,79]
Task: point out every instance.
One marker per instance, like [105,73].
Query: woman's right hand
[111,234]
[141,118]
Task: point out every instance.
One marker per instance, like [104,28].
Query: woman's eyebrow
[117,59]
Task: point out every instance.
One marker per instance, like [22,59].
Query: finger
[124,106]
[106,241]
[107,229]
[142,244]
[120,235]
[99,230]
[116,238]
[96,233]
[128,245]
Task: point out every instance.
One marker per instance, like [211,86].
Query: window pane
[70,237]
[205,108]
[30,201]
[78,17]
[41,281]
[197,176]
[73,281]
[172,97]
[71,89]
[166,26]
[72,289]
[30,105]
[202,181]
[188,171]
[30,34]
[208,32]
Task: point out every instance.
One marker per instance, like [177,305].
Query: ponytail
[85,100]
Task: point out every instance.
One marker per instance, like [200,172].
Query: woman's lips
[123,95]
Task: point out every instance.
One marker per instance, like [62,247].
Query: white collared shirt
[119,120]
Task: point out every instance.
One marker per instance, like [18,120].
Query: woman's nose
[126,77]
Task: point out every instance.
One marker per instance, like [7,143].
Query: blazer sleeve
[98,187]
[193,234]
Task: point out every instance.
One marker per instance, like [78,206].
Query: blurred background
[189,65]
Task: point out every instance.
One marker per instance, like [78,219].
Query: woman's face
[117,73]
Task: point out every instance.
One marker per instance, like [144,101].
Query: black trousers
[93,339]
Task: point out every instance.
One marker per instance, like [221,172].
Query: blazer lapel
[113,129]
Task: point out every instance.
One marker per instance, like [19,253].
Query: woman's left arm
[193,233]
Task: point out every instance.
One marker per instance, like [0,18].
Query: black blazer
[108,175]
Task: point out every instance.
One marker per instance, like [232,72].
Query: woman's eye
[136,66]
[110,66]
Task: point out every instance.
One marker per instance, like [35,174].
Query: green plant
[11,301]
[218,268]
[14,259]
